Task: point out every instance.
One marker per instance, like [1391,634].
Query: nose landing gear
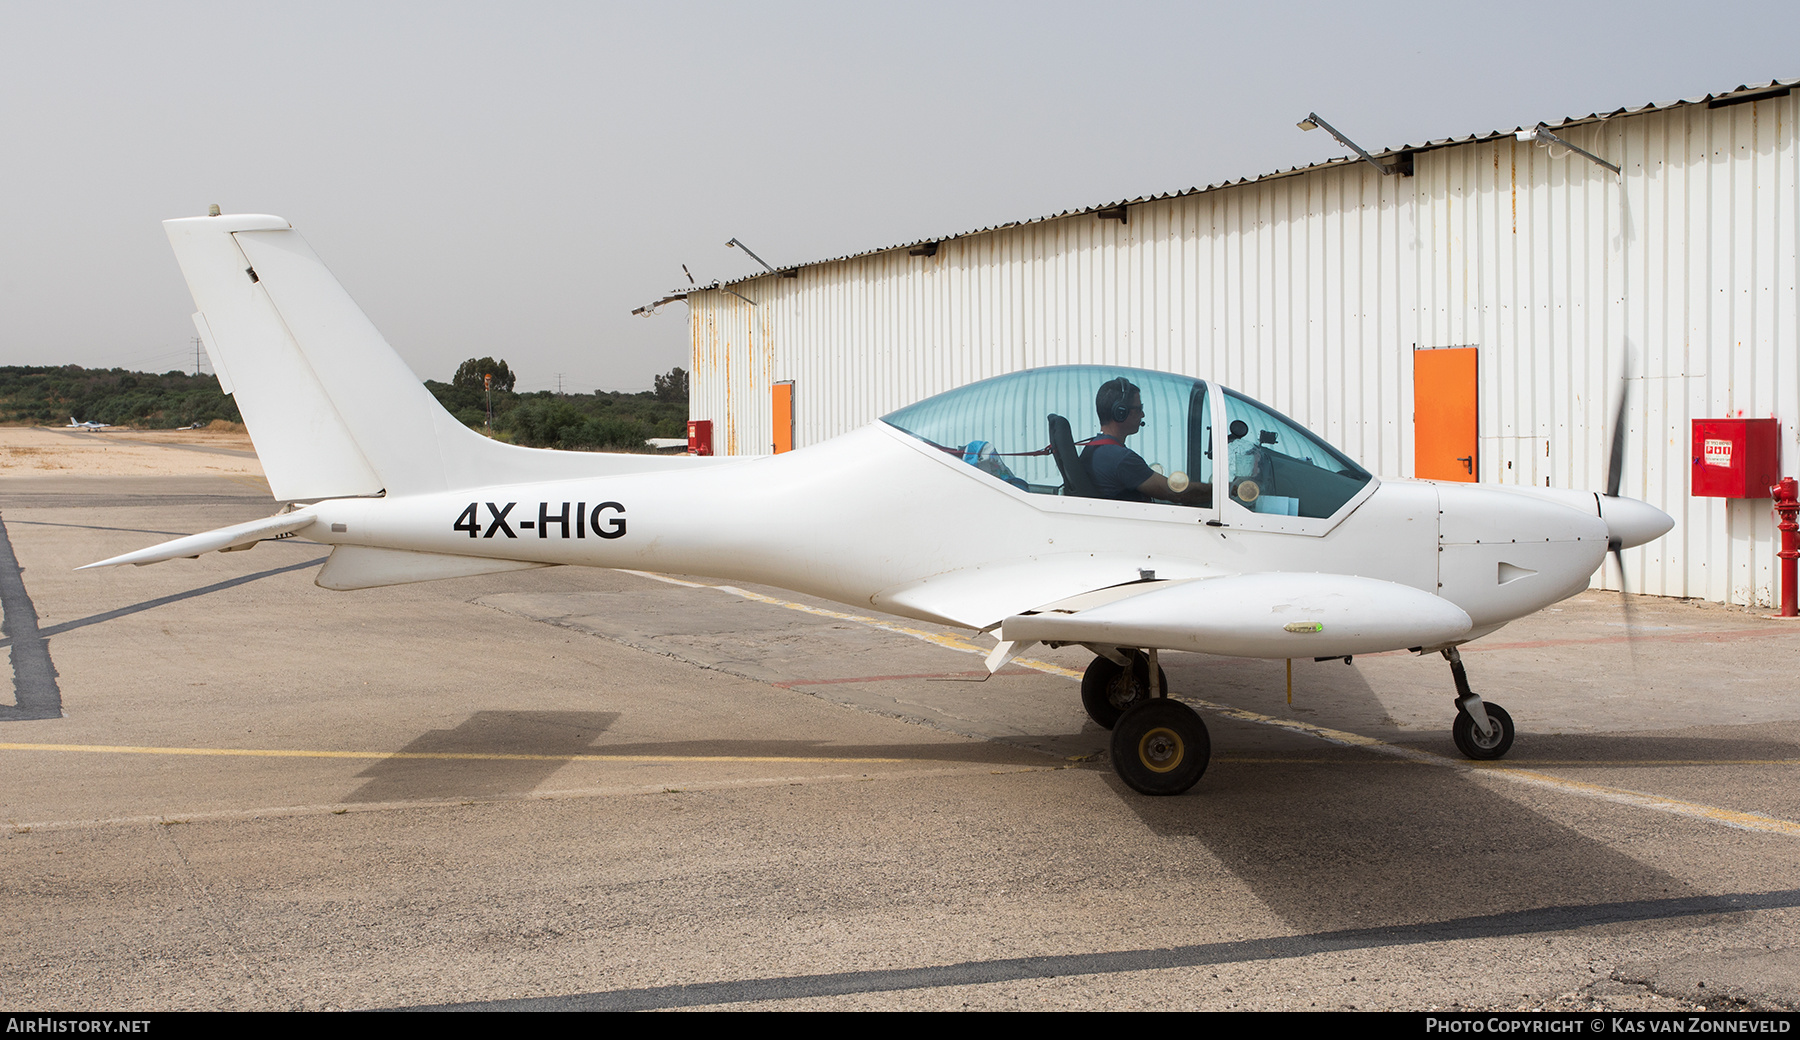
[1482,731]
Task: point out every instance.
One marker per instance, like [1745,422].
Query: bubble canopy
[1039,430]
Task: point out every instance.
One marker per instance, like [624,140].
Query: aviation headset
[1110,401]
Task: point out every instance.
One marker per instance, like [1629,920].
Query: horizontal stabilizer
[362,567]
[1251,615]
[237,535]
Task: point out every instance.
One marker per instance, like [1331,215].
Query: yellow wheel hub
[1161,750]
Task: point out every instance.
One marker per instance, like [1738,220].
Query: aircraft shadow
[1660,751]
[549,740]
[1346,842]
[163,601]
[990,751]
[561,735]
[94,527]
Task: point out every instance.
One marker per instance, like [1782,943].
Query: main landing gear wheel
[1108,689]
[1470,741]
[1160,746]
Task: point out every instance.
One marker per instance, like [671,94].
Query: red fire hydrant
[1787,504]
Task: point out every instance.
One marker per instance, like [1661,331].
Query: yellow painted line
[1343,738]
[653,576]
[1510,764]
[659,787]
[257,483]
[1744,821]
[482,756]
[1325,733]
[947,640]
[440,756]
[1575,763]
[1618,795]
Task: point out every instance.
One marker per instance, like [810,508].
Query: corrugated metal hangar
[1526,275]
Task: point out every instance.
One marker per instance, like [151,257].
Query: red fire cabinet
[1735,458]
[699,436]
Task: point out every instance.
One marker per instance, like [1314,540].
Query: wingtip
[194,545]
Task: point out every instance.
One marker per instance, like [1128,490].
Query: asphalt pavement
[225,787]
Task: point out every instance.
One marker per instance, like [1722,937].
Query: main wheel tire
[1108,689]
[1160,746]
[1473,745]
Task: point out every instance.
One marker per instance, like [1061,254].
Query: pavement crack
[218,919]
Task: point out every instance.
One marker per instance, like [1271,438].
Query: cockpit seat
[1062,448]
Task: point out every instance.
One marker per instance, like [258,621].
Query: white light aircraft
[89,425]
[1269,542]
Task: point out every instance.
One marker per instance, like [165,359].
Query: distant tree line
[605,419]
[52,394]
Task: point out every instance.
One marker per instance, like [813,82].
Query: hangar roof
[1740,95]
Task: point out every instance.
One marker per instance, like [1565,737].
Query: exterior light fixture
[1541,134]
[753,256]
[1312,122]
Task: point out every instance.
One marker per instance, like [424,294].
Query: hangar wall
[1310,290]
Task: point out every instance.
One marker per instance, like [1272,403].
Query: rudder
[333,410]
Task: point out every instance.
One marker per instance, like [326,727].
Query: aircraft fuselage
[874,519]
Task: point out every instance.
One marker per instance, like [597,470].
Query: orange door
[781,410]
[1444,427]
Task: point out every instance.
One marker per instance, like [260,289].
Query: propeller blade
[1625,602]
[1615,476]
[1615,472]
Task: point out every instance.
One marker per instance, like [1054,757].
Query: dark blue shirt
[1116,470]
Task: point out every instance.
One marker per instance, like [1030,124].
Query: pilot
[1117,471]
[1242,449]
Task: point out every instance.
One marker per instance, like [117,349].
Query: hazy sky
[513,179]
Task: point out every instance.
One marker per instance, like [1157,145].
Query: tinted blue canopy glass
[1004,426]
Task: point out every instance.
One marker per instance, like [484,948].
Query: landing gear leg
[1108,688]
[1482,730]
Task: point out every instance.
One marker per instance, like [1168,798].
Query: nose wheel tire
[1470,741]
[1160,747]
[1108,689]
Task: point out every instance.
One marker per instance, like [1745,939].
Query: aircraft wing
[1270,615]
[981,597]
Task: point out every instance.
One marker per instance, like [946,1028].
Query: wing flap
[979,597]
[1271,615]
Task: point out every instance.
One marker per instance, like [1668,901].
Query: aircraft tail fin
[332,409]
